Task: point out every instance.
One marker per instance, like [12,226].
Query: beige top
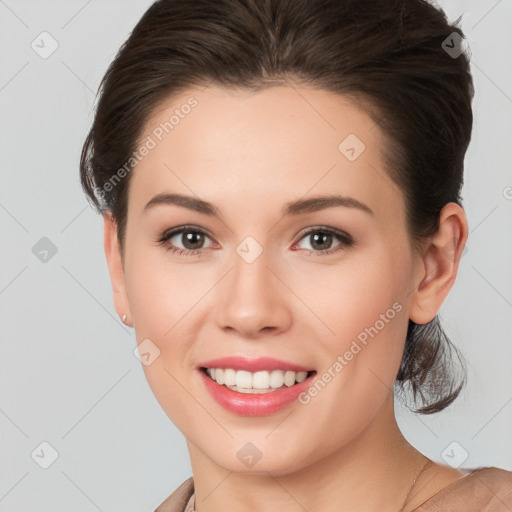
[486,489]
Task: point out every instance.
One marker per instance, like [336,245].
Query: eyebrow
[298,207]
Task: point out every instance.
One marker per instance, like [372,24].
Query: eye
[321,239]
[191,238]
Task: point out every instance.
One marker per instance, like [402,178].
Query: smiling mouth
[266,381]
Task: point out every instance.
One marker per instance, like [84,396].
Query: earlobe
[439,264]
[115,267]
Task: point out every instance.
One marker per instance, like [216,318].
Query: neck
[374,471]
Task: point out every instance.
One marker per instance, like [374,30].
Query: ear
[115,267]
[439,264]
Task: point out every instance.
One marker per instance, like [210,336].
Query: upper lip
[253,365]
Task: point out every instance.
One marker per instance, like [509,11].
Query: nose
[252,301]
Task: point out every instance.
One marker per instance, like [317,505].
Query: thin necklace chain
[403,505]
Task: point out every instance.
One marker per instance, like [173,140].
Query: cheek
[363,307]
[352,298]
[167,304]
[361,359]
[161,292]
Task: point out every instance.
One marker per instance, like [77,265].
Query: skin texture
[250,154]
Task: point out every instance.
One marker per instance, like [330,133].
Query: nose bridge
[250,273]
[252,300]
[250,279]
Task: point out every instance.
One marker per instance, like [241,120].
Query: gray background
[68,373]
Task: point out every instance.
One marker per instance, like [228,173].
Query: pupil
[193,238]
[316,236]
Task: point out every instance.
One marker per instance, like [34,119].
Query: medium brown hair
[388,55]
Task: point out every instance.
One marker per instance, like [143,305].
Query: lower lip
[247,404]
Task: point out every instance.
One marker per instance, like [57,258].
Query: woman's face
[327,288]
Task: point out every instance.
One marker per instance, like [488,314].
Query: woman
[280,186]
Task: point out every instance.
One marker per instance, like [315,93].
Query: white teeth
[229,377]
[289,378]
[244,381]
[219,375]
[301,376]
[277,379]
[261,380]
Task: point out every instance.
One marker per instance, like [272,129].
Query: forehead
[275,143]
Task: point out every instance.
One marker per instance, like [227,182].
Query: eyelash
[345,239]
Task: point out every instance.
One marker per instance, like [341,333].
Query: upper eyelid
[312,229]
[181,229]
